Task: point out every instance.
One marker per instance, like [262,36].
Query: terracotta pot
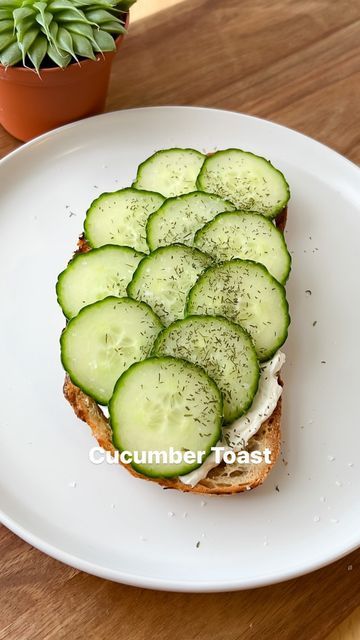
[31,105]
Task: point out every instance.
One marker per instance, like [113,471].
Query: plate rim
[102,116]
[161,584]
[143,581]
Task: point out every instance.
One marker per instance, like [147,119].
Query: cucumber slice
[170,171]
[223,349]
[247,294]
[164,278]
[179,218]
[162,403]
[100,343]
[95,275]
[120,218]
[246,235]
[247,180]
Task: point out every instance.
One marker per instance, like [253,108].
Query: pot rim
[52,70]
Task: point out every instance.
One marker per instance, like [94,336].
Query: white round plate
[99,518]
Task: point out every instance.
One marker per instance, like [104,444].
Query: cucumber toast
[176,312]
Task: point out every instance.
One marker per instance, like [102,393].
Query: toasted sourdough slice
[225,479]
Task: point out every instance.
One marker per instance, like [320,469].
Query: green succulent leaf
[5,14]
[6,25]
[64,40]
[84,31]
[6,39]
[37,51]
[43,17]
[10,4]
[40,6]
[99,16]
[11,55]
[82,47]
[80,29]
[104,40]
[113,27]
[66,15]
[21,16]
[22,23]
[69,12]
[54,30]
[61,58]
[96,4]
[27,42]
[60,5]
[44,20]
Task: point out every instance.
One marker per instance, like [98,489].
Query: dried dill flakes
[223,350]
[229,173]
[164,278]
[120,218]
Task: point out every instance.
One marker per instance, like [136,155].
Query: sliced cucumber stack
[193,246]
[179,218]
[120,218]
[162,403]
[245,235]
[164,278]
[249,181]
[171,172]
[103,340]
[95,275]
[223,349]
[247,294]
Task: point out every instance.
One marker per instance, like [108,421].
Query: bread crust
[225,479]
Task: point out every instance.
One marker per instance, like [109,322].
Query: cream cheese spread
[237,435]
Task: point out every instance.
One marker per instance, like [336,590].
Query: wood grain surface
[296,62]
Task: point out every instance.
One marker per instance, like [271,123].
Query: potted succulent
[55,60]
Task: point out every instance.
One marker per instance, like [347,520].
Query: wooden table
[294,62]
